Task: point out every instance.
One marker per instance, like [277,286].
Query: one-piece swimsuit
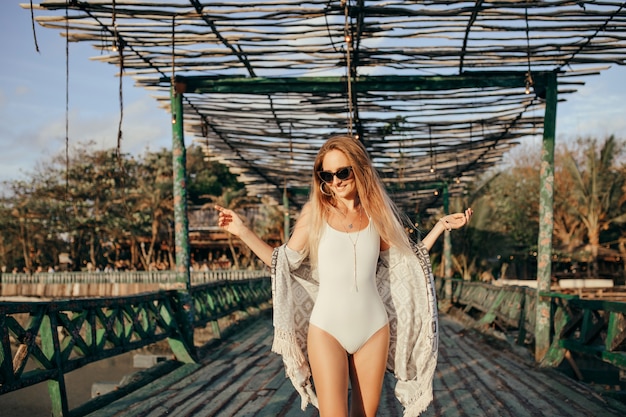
[348,305]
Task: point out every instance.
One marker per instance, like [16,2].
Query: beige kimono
[406,285]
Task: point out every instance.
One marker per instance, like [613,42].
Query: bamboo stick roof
[437,89]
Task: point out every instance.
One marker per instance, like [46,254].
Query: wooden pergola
[438,90]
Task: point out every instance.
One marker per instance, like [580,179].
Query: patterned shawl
[406,285]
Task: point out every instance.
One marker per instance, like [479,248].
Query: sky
[33,101]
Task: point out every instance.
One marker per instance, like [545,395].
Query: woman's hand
[449,222]
[456,220]
[230,221]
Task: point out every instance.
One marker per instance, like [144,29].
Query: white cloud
[144,127]
[597,109]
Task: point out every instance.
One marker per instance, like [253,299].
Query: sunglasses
[342,174]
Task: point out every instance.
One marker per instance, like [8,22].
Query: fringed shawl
[406,286]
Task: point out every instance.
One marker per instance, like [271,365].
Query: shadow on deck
[243,378]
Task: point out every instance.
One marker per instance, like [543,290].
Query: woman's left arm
[449,222]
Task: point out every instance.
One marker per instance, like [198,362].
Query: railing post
[52,350]
[447,248]
[182,347]
[546,224]
[286,222]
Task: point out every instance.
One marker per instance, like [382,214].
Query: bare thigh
[329,366]
[367,370]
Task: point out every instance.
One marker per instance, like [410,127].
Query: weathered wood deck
[241,377]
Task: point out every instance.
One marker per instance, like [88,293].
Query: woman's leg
[367,370]
[329,366]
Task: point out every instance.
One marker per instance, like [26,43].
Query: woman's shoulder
[300,233]
[306,208]
[306,213]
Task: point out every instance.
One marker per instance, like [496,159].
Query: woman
[348,223]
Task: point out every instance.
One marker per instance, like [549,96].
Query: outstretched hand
[456,220]
[229,221]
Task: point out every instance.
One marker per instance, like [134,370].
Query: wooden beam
[264,85]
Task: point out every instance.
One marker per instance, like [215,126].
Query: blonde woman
[346,307]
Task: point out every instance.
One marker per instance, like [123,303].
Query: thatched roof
[438,89]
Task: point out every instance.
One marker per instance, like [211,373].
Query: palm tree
[504,227]
[596,191]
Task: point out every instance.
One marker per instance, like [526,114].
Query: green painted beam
[267,85]
[615,358]
[447,246]
[616,331]
[182,344]
[599,304]
[57,390]
[286,220]
[180,191]
[546,221]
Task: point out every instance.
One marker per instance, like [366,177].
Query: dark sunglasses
[342,174]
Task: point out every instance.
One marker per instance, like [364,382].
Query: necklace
[354,242]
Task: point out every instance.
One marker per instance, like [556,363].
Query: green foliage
[107,209]
[592,196]
[100,208]
[589,199]
[206,178]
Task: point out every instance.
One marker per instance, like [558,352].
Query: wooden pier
[241,377]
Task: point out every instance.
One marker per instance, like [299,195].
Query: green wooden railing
[51,339]
[589,327]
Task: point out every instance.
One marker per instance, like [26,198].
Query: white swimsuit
[348,306]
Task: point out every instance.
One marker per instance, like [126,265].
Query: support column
[546,220]
[447,247]
[286,221]
[183,347]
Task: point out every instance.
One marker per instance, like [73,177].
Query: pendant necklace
[354,242]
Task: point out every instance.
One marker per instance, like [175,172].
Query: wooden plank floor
[241,377]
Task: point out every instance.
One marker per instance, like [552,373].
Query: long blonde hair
[374,199]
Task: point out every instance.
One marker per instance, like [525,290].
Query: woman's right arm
[231,222]
[300,236]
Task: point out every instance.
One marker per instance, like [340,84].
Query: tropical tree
[569,230]
[506,220]
[7,236]
[207,178]
[588,203]
[31,218]
[101,208]
[596,195]
[620,221]
[149,207]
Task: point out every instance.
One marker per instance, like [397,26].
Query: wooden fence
[59,285]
